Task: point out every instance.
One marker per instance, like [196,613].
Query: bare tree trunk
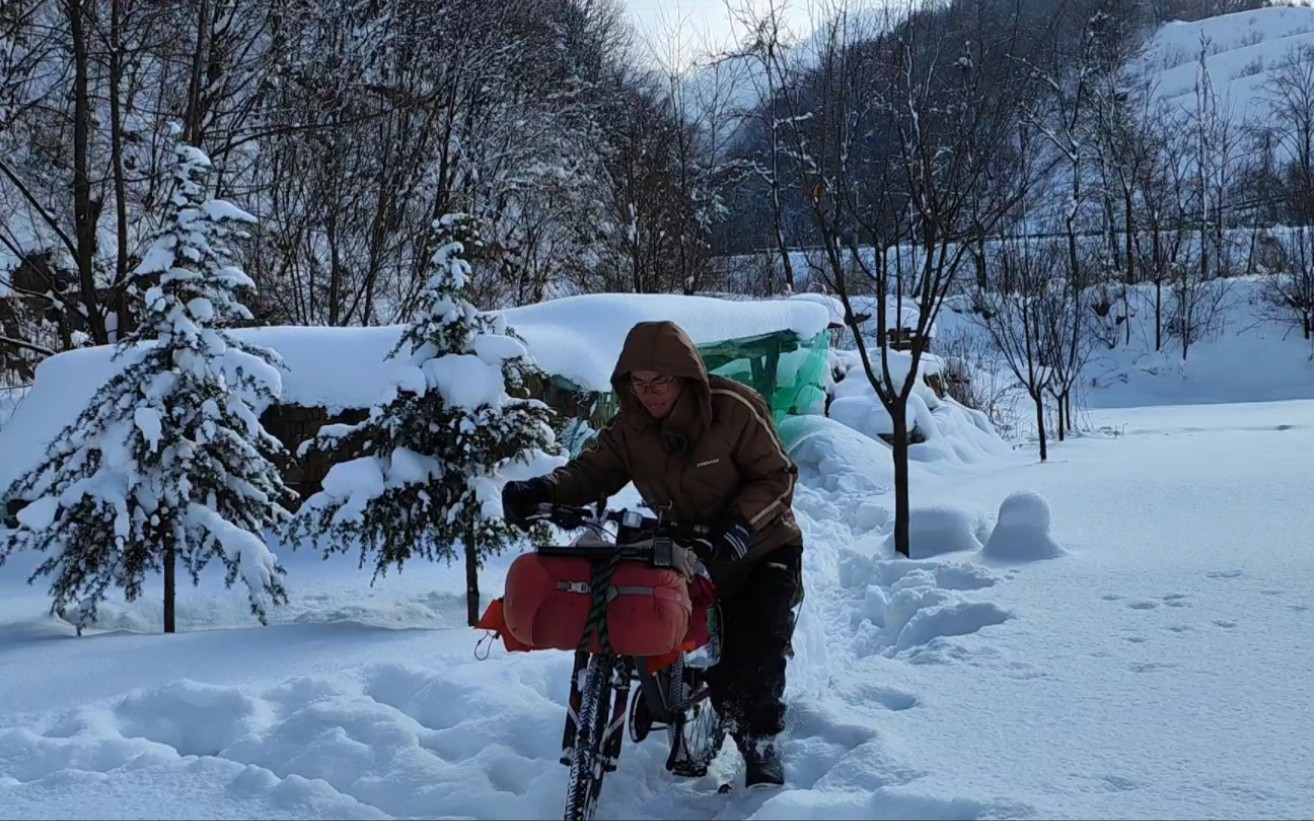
[170,586]
[1158,309]
[1039,398]
[86,211]
[471,580]
[902,542]
[116,160]
[1129,224]
[192,118]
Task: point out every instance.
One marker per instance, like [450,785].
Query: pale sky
[687,30]
[704,21]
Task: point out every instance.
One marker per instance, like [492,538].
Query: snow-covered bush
[940,428]
[168,462]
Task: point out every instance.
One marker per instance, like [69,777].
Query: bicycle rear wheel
[696,733]
[587,765]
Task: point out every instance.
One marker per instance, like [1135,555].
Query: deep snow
[1154,670]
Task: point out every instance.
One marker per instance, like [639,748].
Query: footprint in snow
[1116,783]
[886,697]
[1225,574]
[1143,604]
[1176,600]
[1298,608]
[1149,666]
[1225,624]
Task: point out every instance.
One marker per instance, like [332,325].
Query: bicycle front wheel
[587,764]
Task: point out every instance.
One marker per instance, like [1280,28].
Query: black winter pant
[757,624]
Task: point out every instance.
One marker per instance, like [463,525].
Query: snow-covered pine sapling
[168,462]
[419,475]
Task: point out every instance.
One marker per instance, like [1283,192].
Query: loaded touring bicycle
[631,619]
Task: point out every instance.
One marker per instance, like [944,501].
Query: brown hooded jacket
[714,459]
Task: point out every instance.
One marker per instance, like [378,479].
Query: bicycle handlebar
[571,517]
[657,549]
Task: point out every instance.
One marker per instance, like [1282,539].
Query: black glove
[519,500]
[734,541]
[726,542]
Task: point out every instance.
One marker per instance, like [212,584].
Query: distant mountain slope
[1243,51]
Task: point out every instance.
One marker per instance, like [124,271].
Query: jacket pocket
[710,482]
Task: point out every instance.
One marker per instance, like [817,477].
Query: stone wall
[293,425]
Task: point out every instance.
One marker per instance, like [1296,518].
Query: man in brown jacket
[702,450]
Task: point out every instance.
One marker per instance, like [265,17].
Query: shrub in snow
[1022,532]
[168,461]
[421,473]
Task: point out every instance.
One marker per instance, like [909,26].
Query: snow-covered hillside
[1245,355]
[1242,51]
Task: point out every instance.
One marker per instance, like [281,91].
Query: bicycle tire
[587,764]
[696,733]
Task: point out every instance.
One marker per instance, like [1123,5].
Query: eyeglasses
[659,386]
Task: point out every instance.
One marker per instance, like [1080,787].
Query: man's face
[657,391]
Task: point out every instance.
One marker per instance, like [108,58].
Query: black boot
[762,767]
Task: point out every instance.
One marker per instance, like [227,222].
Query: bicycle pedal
[688,769]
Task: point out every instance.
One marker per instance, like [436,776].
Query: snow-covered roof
[580,337]
[577,337]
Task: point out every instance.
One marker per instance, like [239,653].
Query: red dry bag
[548,599]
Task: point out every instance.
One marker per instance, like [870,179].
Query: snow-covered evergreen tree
[423,472]
[168,462]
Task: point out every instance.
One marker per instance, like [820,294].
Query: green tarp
[788,371]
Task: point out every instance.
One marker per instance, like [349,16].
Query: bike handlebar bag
[548,601]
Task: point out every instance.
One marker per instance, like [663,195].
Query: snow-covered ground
[1155,667]
[1245,356]
[1120,632]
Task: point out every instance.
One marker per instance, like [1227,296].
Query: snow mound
[1022,531]
[397,741]
[839,463]
[191,717]
[952,437]
[938,529]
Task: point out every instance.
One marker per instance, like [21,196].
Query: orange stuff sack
[547,601]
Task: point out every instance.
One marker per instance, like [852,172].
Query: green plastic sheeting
[790,372]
